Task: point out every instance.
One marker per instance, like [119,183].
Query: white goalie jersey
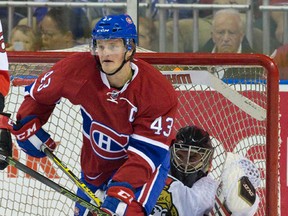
[237,197]
[179,200]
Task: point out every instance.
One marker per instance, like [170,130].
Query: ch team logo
[107,143]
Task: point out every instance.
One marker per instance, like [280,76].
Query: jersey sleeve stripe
[29,90]
[142,155]
[153,152]
[150,141]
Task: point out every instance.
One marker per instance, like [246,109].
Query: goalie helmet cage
[241,117]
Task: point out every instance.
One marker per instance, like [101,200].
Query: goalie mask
[191,155]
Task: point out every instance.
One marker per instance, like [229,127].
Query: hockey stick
[13,162]
[71,175]
[206,78]
[220,208]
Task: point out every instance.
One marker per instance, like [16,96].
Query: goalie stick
[207,78]
[13,162]
[220,209]
[71,175]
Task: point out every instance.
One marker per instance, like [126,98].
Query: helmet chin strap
[118,69]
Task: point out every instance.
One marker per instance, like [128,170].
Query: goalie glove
[31,136]
[5,139]
[118,196]
[240,178]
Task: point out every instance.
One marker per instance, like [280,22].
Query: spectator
[23,38]
[280,57]
[276,23]
[276,17]
[148,34]
[185,34]
[4,20]
[191,191]
[63,28]
[227,34]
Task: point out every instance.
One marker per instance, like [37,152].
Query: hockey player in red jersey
[191,191]
[128,109]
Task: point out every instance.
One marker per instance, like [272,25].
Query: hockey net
[241,116]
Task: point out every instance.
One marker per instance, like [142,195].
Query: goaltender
[191,191]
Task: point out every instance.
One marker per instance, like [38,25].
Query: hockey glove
[240,178]
[30,136]
[5,139]
[118,196]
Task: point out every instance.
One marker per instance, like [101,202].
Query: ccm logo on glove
[125,196]
[31,136]
[28,130]
[122,193]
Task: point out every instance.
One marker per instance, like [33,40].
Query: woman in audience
[63,28]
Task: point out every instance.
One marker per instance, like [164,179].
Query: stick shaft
[71,175]
[11,161]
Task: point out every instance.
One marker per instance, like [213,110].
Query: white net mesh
[230,126]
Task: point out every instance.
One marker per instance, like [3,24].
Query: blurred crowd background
[240,26]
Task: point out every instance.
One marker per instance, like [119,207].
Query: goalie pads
[239,181]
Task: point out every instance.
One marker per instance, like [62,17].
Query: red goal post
[241,116]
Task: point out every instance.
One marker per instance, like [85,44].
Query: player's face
[227,34]
[111,54]
[188,160]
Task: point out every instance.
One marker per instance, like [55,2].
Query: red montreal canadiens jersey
[126,132]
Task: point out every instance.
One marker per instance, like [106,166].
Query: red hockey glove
[118,196]
[31,136]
